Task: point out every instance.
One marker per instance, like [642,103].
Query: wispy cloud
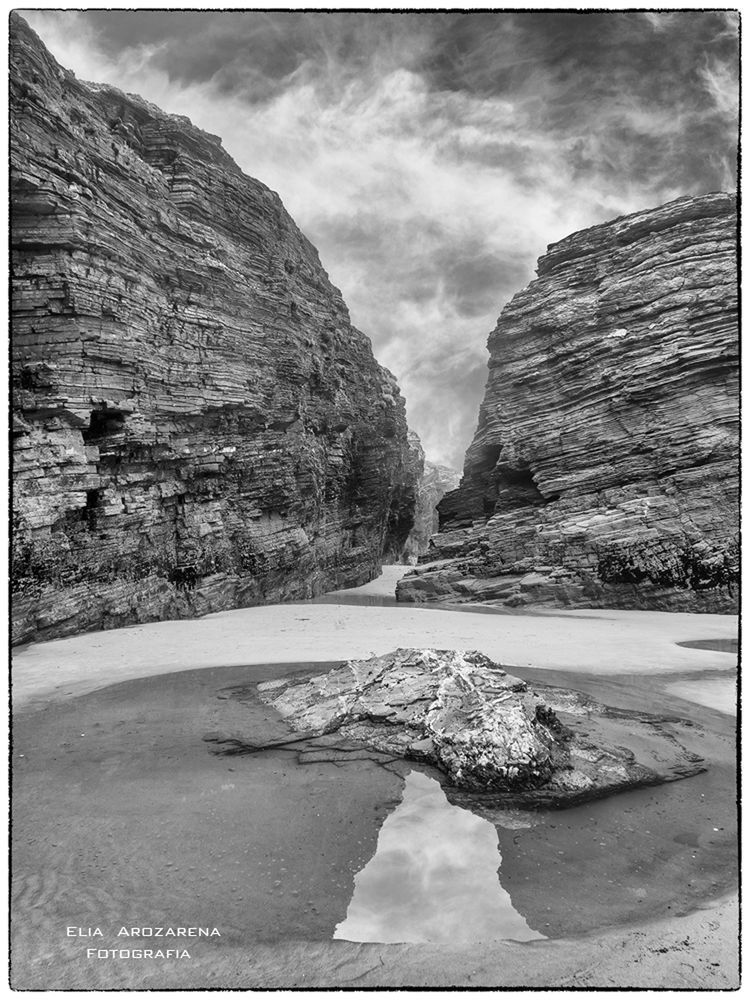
[431,157]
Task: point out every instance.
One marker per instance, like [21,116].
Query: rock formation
[604,469]
[197,425]
[489,732]
[434,482]
[406,512]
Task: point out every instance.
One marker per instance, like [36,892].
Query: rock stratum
[433,483]
[196,423]
[489,732]
[604,469]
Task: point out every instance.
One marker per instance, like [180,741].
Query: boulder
[487,730]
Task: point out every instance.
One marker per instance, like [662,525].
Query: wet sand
[137,823]
[611,642]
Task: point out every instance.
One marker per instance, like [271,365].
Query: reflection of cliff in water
[433,877]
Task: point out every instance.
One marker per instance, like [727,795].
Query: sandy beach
[596,641]
[122,815]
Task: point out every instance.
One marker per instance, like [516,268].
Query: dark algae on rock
[604,469]
[196,423]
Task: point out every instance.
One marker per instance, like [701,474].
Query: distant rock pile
[604,470]
[488,731]
[197,425]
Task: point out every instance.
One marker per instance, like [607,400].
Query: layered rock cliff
[604,469]
[434,482]
[197,425]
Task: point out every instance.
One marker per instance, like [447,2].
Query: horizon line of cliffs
[604,469]
[196,423]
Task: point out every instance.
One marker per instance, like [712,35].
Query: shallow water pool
[125,815]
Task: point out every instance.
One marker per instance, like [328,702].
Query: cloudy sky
[431,157]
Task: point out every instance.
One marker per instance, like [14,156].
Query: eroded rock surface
[434,482]
[197,425]
[604,469]
[488,731]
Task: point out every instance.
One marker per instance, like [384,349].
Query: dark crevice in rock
[103,424]
[93,499]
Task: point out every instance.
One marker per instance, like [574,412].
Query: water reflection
[433,877]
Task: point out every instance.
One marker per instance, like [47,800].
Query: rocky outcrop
[489,732]
[406,511]
[197,425]
[434,482]
[604,469]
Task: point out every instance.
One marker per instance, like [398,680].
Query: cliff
[433,483]
[196,423]
[604,469]
[405,515]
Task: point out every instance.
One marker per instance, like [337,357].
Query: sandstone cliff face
[604,470]
[197,425]
[434,482]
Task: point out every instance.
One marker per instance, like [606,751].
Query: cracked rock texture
[434,482]
[197,425]
[604,469]
[488,731]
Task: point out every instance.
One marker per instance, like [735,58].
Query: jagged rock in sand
[197,425]
[488,731]
[604,469]
[434,482]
